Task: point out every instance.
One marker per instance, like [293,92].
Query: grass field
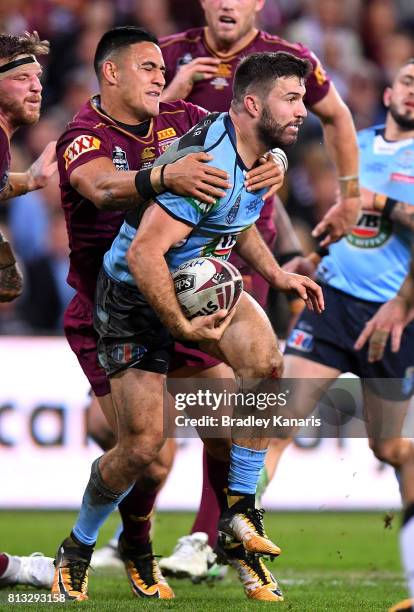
[330,562]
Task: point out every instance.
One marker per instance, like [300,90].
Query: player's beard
[405,123]
[19,114]
[270,132]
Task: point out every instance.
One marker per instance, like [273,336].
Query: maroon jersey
[93,134]
[4,158]
[215,94]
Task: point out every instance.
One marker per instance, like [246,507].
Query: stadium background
[43,394]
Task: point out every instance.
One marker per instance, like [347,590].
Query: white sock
[13,568]
[407,552]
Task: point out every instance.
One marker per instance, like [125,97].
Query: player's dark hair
[119,38]
[30,43]
[257,73]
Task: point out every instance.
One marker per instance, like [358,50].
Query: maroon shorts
[82,338]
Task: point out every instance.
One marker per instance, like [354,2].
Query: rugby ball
[205,285]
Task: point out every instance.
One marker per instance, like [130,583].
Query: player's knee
[140,451]
[392,451]
[101,434]
[153,476]
[265,365]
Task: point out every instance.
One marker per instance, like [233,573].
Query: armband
[144,186]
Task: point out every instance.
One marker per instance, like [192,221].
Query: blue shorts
[329,339]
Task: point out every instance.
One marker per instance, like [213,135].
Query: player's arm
[251,246]
[395,210]
[98,181]
[341,142]
[36,177]
[389,321]
[11,280]
[157,233]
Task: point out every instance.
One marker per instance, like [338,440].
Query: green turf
[330,561]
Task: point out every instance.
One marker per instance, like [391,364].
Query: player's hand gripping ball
[207,284]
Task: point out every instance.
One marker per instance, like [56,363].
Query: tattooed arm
[11,280]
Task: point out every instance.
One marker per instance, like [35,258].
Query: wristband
[390,204]
[144,186]
[162,181]
[7,258]
[285,257]
[349,186]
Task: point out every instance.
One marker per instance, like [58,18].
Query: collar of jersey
[228,124]
[148,139]
[229,56]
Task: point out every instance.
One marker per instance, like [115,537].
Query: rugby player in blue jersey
[136,294]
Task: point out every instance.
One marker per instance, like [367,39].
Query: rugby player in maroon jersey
[115,134]
[20,100]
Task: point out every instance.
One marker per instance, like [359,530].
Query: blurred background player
[112,136]
[20,100]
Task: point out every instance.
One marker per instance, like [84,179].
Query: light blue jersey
[371,262]
[215,227]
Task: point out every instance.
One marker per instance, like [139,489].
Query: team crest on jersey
[300,340]
[185,59]
[119,159]
[232,214]
[371,231]
[79,146]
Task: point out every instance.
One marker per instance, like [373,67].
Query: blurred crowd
[360,43]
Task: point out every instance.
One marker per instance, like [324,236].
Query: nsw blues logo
[301,340]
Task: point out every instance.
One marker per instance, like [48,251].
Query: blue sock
[245,466]
[97,504]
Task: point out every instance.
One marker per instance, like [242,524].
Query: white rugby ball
[206,284]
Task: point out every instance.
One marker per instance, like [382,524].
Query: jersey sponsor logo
[166,145]
[232,214]
[220,247]
[405,159]
[119,159]
[184,282]
[300,340]
[371,231]
[167,133]
[148,153]
[384,147]
[79,146]
[402,178]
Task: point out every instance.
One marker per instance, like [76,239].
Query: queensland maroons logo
[371,231]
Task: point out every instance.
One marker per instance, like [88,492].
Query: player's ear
[386,98]
[252,105]
[109,71]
